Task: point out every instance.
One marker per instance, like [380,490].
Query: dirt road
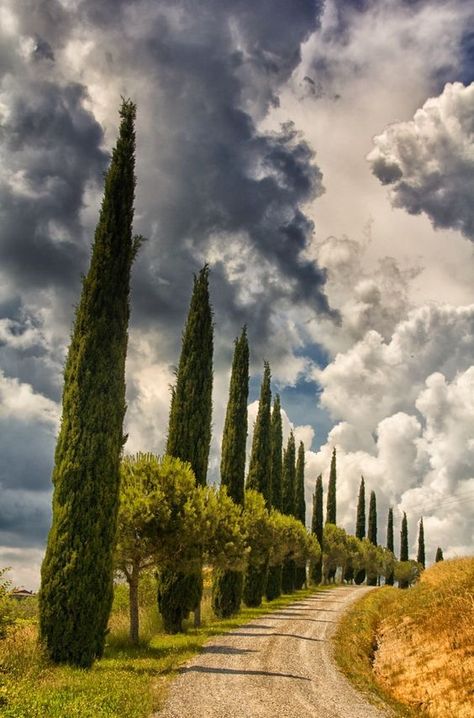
[278,666]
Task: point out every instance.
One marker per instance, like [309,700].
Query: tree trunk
[133,594]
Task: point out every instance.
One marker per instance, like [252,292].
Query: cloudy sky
[320,156]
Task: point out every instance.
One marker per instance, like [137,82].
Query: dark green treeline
[273,585]
[288,507]
[317,528]
[227,586]
[439,555]
[404,546]
[390,544]
[300,509]
[360,526]
[421,545]
[331,498]
[259,479]
[372,533]
[77,571]
[189,438]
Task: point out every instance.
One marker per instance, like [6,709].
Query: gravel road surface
[278,666]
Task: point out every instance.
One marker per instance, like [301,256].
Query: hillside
[416,646]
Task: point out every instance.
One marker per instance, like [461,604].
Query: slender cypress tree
[317,528]
[331,500]
[189,438]
[360,526]
[227,586]
[372,533]
[404,546]
[259,476]
[288,507]
[390,544]
[300,509]
[77,571]
[421,544]
[439,555]
[273,585]
[259,479]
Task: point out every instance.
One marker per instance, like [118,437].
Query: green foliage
[178,594]
[439,555]
[407,573]
[77,571]
[421,545]
[189,432]
[289,477]
[300,508]
[6,606]
[331,500]
[403,547]
[359,576]
[334,550]
[389,578]
[276,436]
[235,426]
[227,592]
[273,584]
[259,539]
[317,527]
[259,476]
[372,536]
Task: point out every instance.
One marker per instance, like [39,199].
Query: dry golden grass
[425,655]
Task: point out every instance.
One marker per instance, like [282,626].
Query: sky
[320,157]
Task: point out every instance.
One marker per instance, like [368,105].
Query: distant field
[416,646]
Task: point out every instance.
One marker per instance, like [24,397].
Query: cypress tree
[331,500]
[439,555]
[77,571]
[404,546]
[372,533]
[227,586]
[300,509]
[288,507]
[317,528]
[189,437]
[259,476]
[390,543]
[259,479]
[273,585]
[421,544]
[360,526]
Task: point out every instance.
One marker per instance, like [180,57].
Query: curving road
[278,666]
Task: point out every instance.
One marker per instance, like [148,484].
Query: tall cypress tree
[259,476]
[372,533]
[77,571]
[300,508]
[189,437]
[259,479]
[404,546]
[439,555]
[421,544]
[360,526]
[289,508]
[331,500]
[390,544]
[317,528]
[273,585]
[227,586]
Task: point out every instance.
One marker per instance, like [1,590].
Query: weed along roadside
[129,682]
[413,649]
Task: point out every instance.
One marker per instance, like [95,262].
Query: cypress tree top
[317,526]
[360,520]
[331,500]
[372,528]
[289,476]
[404,539]
[390,544]
[276,454]
[259,476]
[300,503]
[77,571]
[421,544]
[439,555]
[234,437]
[189,432]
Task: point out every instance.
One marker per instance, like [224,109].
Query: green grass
[127,683]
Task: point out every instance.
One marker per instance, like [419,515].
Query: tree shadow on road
[236,672]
